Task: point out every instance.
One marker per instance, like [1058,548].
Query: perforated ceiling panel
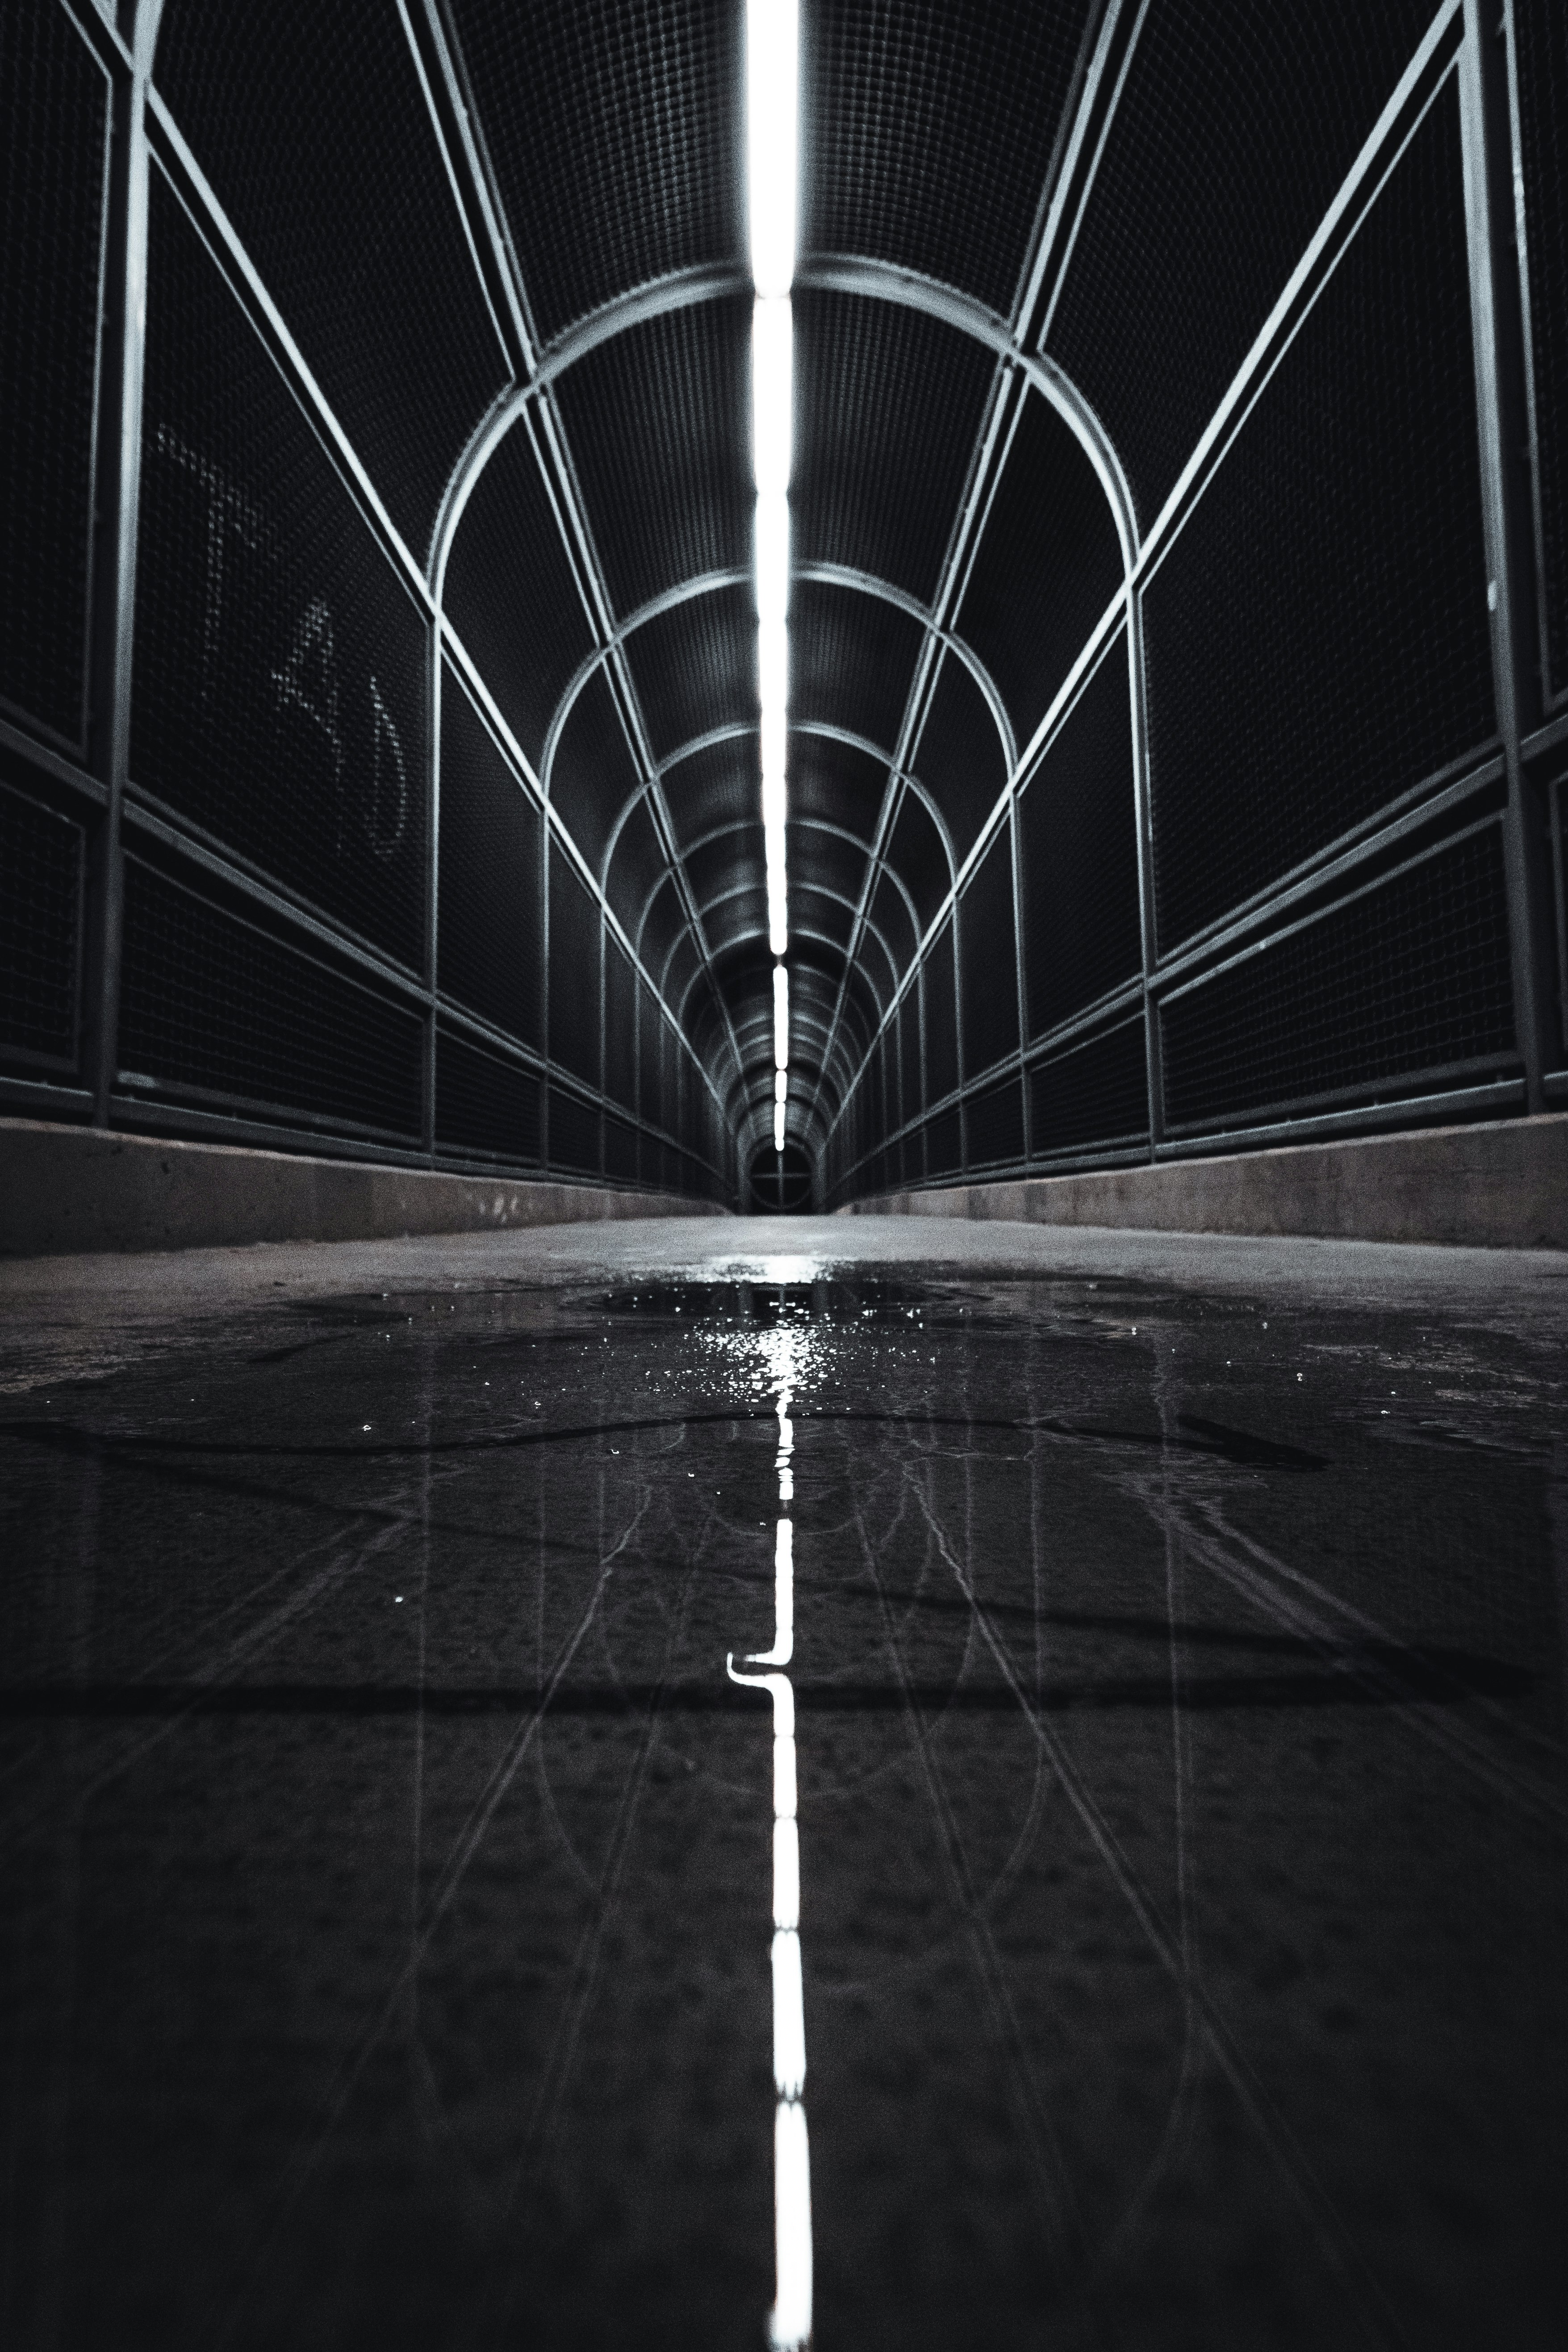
[613,132]
[929,130]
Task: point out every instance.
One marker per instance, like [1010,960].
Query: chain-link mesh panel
[874,959]
[833,781]
[910,1055]
[960,757]
[620,1151]
[818,860]
[279,684]
[994,1123]
[944,1155]
[510,591]
[916,854]
[593,775]
[658,419]
[1047,564]
[890,912]
[684,964]
[489,880]
[1302,676]
[573,1134]
[988,959]
[620,1027]
[611,128]
[852,657]
[311,126]
[651,1107]
[1408,980]
[1095,1093]
[636,869]
[929,130]
[721,785]
[484,1103]
[1239,122]
[938,981]
[574,926]
[695,668]
[216,1011]
[1079,855]
[54,124]
[828,919]
[1541,32]
[888,396]
[42,866]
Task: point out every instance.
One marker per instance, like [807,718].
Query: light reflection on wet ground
[1178,1697]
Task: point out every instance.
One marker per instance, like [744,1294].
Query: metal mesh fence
[311,125]
[1079,855]
[610,131]
[484,1103]
[1408,982]
[1541,32]
[911,1059]
[574,933]
[1048,565]
[573,1134]
[658,420]
[994,1123]
[511,592]
[1357,655]
[620,1027]
[42,870]
[1237,125]
[54,122]
[488,922]
[960,757]
[887,394]
[938,980]
[1095,1093]
[988,957]
[917,856]
[927,134]
[217,1012]
[278,698]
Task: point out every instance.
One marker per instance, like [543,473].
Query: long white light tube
[771,143]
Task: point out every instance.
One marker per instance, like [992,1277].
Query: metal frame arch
[885,282]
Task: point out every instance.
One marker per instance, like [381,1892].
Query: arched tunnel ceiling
[1006,342]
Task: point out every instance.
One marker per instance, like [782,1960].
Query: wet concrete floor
[931,1786]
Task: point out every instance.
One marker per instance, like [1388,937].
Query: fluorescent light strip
[771,80]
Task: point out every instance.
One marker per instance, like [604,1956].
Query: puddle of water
[1126,1900]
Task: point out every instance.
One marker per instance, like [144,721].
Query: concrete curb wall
[78,1188]
[1499,1185]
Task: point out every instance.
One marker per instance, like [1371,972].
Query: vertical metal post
[1143,806]
[432,885]
[114,597]
[603,1087]
[1015,841]
[1502,417]
[546,1065]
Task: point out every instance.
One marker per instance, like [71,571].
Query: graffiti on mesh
[308,682]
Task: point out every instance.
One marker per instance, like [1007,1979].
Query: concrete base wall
[75,1187]
[1501,1185]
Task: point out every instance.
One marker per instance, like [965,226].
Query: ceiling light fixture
[772,76]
